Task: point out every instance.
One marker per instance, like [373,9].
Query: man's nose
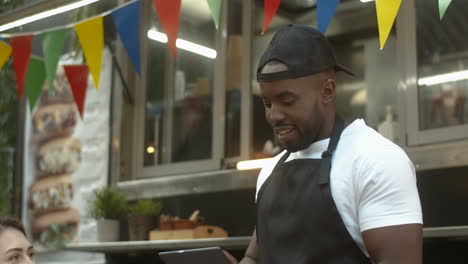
[275,114]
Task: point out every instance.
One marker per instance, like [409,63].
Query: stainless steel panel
[437,156]
[216,181]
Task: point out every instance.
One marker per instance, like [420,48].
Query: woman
[14,246]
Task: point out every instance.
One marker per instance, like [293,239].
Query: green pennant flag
[215,6]
[443,5]
[52,46]
[35,78]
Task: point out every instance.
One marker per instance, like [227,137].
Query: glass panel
[442,65]
[233,80]
[157,55]
[179,115]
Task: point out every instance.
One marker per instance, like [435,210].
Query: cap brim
[339,67]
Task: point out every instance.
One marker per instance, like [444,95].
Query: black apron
[297,219]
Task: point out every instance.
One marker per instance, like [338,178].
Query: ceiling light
[45,14]
[183,44]
[365,1]
[443,78]
[252,164]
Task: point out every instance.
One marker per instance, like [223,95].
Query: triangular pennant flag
[5,52]
[443,5]
[215,7]
[35,78]
[91,35]
[387,11]
[21,52]
[271,6]
[77,76]
[52,46]
[127,23]
[169,13]
[325,11]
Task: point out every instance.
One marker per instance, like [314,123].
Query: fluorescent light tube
[365,1]
[183,44]
[45,14]
[252,164]
[443,78]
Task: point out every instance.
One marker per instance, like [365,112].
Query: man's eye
[267,105]
[289,101]
[14,258]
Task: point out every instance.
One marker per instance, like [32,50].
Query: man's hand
[230,257]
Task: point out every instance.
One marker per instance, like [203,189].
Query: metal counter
[230,243]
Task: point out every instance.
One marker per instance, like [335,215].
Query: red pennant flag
[270,6]
[77,76]
[21,46]
[169,13]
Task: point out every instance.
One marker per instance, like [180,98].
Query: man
[337,194]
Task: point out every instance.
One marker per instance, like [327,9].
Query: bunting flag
[77,76]
[5,52]
[325,11]
[270,6]
[169,13]
[127,23]
[215,7]
[443,5]
[35,78]
[91,36]
[52,46]
[21,46]
[387,11]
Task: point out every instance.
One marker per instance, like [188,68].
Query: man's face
[294,110]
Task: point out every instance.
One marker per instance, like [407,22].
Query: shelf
[460,232]
[230,243]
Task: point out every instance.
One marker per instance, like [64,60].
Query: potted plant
[107,207]
[143,217]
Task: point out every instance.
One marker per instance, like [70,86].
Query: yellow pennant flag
[91,36]
[387,11]
[5,52]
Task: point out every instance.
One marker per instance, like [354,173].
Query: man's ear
[328,91]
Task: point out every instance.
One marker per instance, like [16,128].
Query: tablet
[210,255]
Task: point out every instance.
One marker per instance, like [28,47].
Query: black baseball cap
[303,49]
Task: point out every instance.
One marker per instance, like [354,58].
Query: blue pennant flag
[325,11]
[127,24]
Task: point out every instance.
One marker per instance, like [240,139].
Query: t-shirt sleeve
[387,191]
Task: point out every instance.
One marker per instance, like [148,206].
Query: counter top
[230,243]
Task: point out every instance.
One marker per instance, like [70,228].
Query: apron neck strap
[325,166]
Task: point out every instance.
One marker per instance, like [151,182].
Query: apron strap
[325,166]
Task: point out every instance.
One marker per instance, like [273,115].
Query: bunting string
[126,20]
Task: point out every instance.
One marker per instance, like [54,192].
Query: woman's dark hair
[10,222]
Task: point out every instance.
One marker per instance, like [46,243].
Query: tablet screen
[211,255]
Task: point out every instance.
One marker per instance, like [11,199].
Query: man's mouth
[283,132]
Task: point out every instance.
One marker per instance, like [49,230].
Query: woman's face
[15,248]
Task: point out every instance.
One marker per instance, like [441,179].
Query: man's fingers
[230,257]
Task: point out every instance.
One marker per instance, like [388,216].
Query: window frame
[407,50]
[217,160]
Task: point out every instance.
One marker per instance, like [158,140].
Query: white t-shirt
[373,182]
